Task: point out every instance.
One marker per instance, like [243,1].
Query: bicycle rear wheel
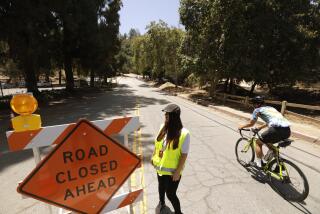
[294,186]
[244,152]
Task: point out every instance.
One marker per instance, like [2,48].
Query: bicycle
[279,170]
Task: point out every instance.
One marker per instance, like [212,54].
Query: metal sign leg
[126,143]
[37,159]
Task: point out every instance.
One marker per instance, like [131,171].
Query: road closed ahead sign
[82,172]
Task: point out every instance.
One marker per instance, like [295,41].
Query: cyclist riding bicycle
[278,127]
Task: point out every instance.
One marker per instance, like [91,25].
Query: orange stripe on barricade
[18,140]
[122,200]
[116,125]
[130,198]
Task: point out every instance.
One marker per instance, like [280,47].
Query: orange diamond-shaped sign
[83,172]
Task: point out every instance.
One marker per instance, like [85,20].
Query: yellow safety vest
[170,157]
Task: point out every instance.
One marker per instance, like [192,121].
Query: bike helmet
[257,100]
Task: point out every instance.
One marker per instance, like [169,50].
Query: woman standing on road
[170,153]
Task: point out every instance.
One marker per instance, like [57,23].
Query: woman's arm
[176,174]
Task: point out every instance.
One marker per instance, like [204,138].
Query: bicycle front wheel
[293,185]
[244,152]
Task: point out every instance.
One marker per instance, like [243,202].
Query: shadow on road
[258,175]
[145,145]
[300,207]
[164,210]
[284,190]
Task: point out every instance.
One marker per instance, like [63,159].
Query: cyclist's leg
[273,135]
[267,137]
[284,132]
[259,151]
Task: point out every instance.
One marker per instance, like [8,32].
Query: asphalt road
[212,182]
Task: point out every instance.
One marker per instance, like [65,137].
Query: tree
[201,46]
[124,57]
[157,50]
[26,28]
[141,60]
[156,54]
[262,41]
[111,37]
[69,17]
[174,40]
[42,35]
[283,41]
[133,33]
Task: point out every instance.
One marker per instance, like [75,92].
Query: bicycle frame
[276,169]
[278,176]
[252,142]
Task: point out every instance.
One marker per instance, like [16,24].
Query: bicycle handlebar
[240,131]
[254,130]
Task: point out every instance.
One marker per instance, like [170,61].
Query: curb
[310,139]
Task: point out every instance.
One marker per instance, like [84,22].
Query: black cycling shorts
[275,134]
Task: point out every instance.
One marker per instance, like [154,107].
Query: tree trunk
[213,84]
[69,73]
[231,85]
[91,78]
[252,88]
[201,82]
[271,86]
[28,59]
[60,74]
[31,80]
[67,54]
[226,83]
[47,76]
[1,89]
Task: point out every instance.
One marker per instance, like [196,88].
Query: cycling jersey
[271,116]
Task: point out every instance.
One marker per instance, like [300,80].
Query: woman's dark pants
[168,186]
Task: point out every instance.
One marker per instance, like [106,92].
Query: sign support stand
[126,143]
[36,155]
[52,135]
[37,159]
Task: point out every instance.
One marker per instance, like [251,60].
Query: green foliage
[155,54]
[47,35]
[140,55]
[25,27]
[192,80]
[157,33]
[173,58]
[133,33]
[273,42]
[123,58]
